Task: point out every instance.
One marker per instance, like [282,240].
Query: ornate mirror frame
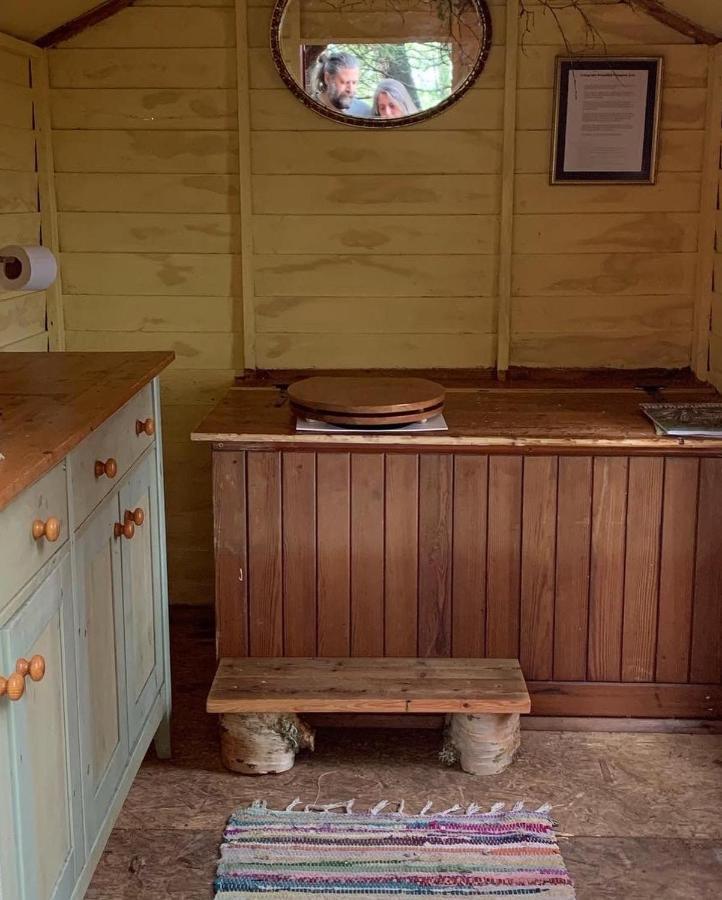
[374,123]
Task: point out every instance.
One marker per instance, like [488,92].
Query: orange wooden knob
[36,669]
[145,427]
[3,685]
[109,468]
[22,667]
[137,516]
[50,529]
[15,686]
[125,529]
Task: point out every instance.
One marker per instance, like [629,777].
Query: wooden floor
[638,814]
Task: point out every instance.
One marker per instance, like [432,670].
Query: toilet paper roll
[26,268]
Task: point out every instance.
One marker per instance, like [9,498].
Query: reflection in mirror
[378,63]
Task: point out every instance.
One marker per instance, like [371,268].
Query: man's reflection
[335,82]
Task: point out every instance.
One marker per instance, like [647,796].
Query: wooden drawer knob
[145,427]
[14,686]
[109,468]
[49,529]
[124,529]
[137,516]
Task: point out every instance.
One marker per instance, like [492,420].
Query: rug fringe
[473,809]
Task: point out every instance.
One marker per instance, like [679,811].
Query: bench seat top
[378,685]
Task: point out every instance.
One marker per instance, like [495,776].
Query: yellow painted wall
[363,249]
[146,157]
[23,324]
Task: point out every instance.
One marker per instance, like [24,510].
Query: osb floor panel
[638,814]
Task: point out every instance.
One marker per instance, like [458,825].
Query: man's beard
[339,101]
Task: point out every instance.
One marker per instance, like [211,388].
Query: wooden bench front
[378,685]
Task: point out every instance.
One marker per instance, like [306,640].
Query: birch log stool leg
[483,744]
[263,743]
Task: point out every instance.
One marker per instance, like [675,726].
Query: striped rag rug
[327,854]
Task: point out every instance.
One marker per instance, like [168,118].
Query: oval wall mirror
[380,63]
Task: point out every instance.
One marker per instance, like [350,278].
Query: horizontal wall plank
[146,152]
[631,351]
[19,228]
[213,68]
[14,69]
[374,276]
[601,274]
[98,312]
[679,151]
[356,153]
[37,343]
[145,193]
[18,192]
[279,110]
[16,110]
[382,315]
[685,65]
[150,232]
[21,317]
[350,194]
[375,234]
[610,23]
[673,192]
[615,315]
[17,149]
[681,108]
[391,351]
[213,275]
[608,233]
[200,109]
[193,351]
[149,27]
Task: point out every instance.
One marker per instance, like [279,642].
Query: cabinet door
[142,611]
[101,664]
[42,847]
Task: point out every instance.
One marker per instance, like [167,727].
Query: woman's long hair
[398,93]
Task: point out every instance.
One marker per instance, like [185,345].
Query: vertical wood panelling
[435,553]
[606,590]
[229,505]
[538,551]
[367,554]
[706,656]
[572,568]
[299,554]
[265,554]
[401,554]
[333,553]
[641,584]
[503,557]
[676,571]
[471,476]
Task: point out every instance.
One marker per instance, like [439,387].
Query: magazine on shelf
[685,419]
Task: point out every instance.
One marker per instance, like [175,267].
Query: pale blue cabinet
[93,604]
[42,849]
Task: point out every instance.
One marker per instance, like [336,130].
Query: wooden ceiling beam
[92,17]
[674,20]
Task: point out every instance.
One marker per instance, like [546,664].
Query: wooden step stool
[259,699]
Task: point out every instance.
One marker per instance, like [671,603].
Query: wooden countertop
[49,402]
[490,419]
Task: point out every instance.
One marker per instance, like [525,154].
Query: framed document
[606,117]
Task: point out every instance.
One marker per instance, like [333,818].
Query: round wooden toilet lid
[372,401]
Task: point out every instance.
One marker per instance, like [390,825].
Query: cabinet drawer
[102,459]
[21,553]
